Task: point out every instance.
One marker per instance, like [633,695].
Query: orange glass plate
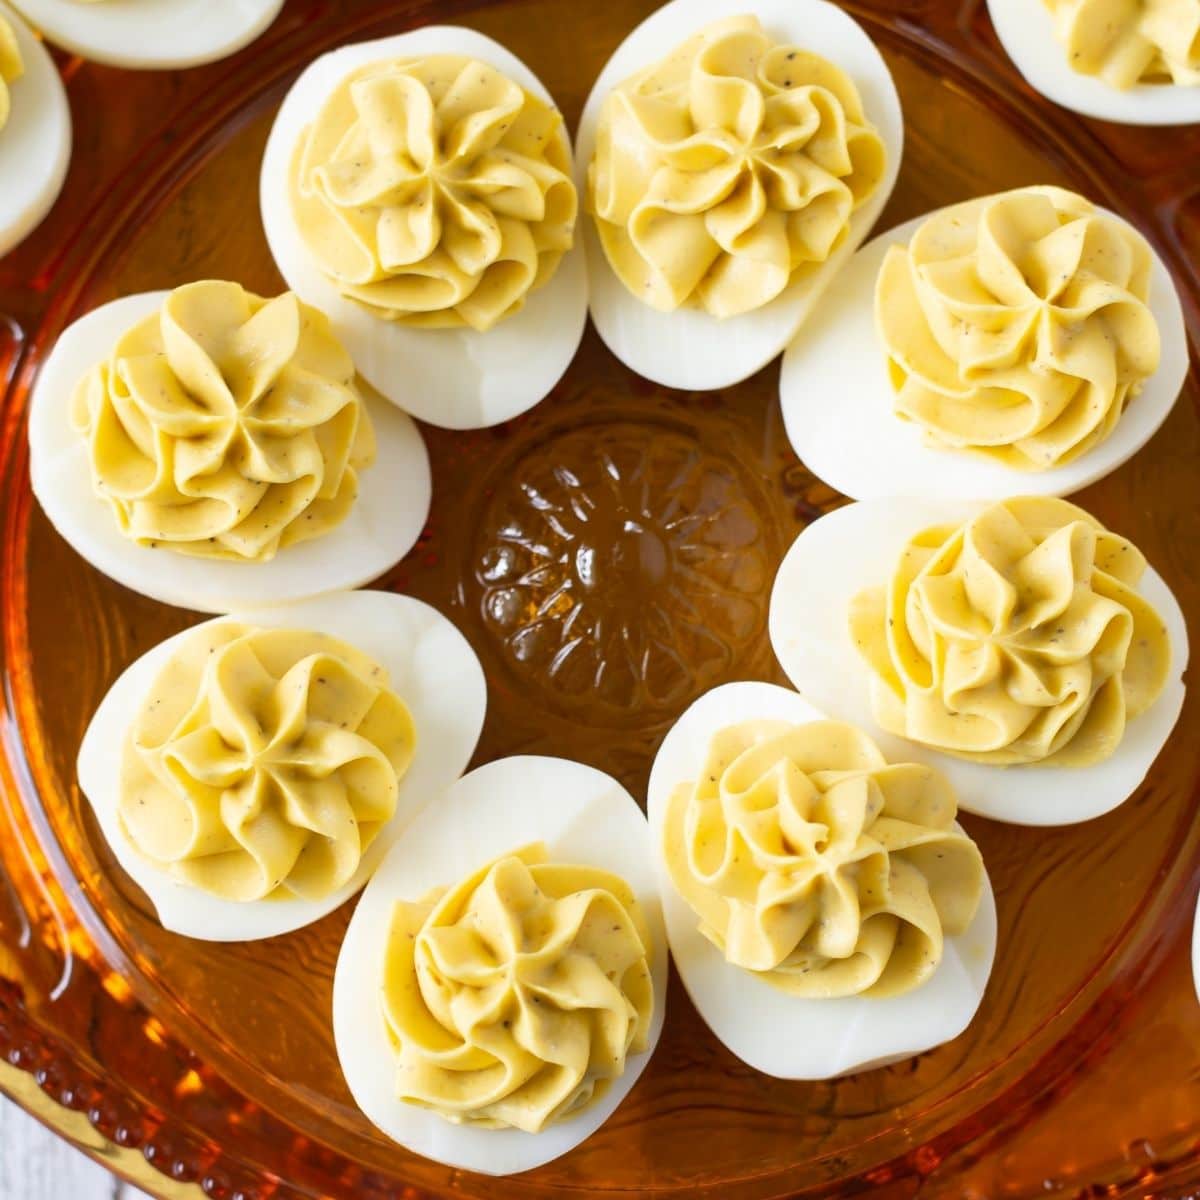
[609,556]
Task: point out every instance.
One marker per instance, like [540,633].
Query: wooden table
[36,1164]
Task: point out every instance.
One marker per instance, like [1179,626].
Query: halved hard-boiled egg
[215,450]
[419,190]
[152,34]
[1137,63]
[825,911]
[502,984]
[251,772]
[1027,652]
[1196,950]
[1022,342]
[35,130]
[733,156]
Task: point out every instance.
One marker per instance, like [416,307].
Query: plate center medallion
[623,566]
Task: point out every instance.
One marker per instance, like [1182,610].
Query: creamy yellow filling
[1016,325]
[434,191]
[12,67]
[729,170]
[817,865]
[513,997]
[226,425]
[263,762]
[1126,42]
[1016,637]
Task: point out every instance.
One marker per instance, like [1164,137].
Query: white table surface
[36,1164]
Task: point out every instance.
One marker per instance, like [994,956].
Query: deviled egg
[151,34]
[502,984]
[35,131]
[215,450]
[825,911]
[250,773]
[419,190]
[1196,950]
[733,155]
[1137,62]
[1025,341]
[1027,652]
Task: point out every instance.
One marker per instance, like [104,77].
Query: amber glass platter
[609,556]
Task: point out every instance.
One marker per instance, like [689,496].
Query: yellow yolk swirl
[226,425]
[12,67]
[729,169]
[514,997]
[264,762]
[435,191]
[1016,325]
[813,863]
[1016,637]
[1126,42]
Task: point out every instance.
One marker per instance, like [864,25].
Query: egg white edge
[152,34]
[856,547]
[688,348]
[1026,31]
[35,142]
[383,525]
[453,378]
[584,816]
[431,667]
[838,402]
[778,1034]
[1196,950]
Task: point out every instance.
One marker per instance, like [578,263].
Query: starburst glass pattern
[629,566]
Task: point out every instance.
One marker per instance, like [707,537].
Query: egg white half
[152,34]
[838,403]
[35,142]
[455,378]
[431,667]
[788,1036]
[381,528]
[857,547]
[1026,31]
[1196,951]
[583,816]
[689,348]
